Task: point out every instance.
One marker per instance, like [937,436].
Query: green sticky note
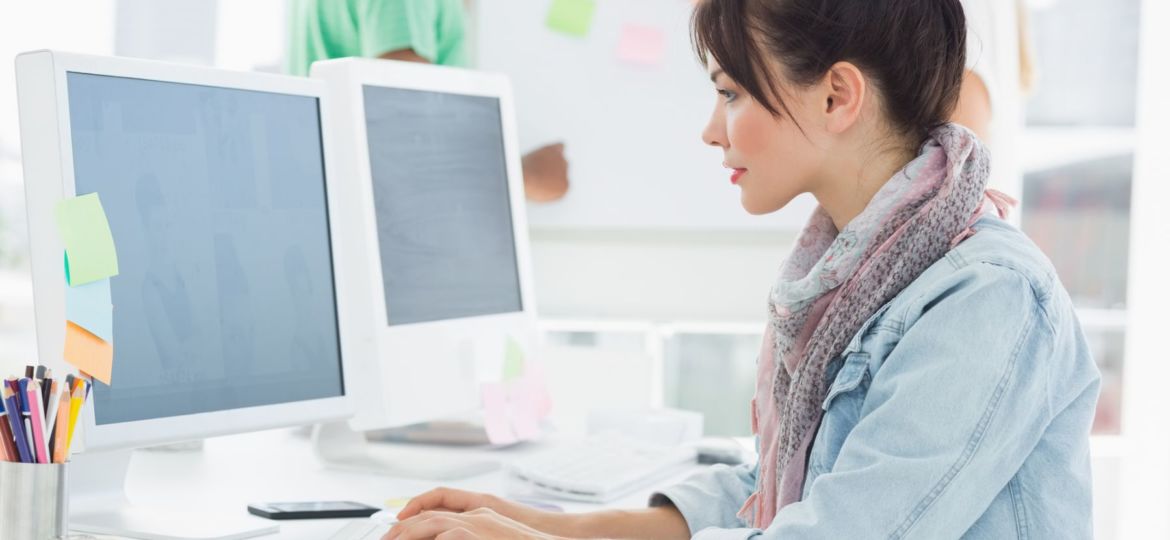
[513,360]
[573,17]
[89,246]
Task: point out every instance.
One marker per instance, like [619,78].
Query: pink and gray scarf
[834,281]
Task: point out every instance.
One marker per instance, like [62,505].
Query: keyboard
[366,529]
[600,468]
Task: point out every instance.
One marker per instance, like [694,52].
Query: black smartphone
[312,510]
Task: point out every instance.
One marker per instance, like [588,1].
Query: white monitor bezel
[380,404]
[48,176]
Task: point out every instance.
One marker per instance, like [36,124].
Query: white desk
[279,465]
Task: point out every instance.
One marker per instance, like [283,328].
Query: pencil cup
[33,501]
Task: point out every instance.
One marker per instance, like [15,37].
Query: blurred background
[669,296]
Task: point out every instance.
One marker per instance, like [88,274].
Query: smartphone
[312,510]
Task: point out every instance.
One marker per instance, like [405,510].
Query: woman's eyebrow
[715,74]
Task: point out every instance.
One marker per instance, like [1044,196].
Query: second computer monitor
[432,156]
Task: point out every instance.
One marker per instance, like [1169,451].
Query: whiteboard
[631,132]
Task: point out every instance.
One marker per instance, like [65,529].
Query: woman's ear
[845,92]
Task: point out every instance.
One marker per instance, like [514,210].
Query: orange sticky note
[88,352]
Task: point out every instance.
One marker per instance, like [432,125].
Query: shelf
[1103,319]
[1051,147]
[735,328]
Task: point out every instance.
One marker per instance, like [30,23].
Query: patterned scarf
[833,282]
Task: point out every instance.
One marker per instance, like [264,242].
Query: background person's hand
[478,524]
[546,173]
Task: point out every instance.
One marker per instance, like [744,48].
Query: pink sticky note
[526,409]
[535,375]
[641,45]
[496,420]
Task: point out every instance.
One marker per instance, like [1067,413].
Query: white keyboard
[366,529]
[600,468]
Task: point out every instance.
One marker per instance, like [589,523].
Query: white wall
[656,276]
[85,26]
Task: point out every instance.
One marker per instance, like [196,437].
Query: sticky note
[89,307]
[643,45]
[534,375]
[513,360]
[89,245]
[397,502]
[525,409]
[572,17]
[496,418]
[89,353]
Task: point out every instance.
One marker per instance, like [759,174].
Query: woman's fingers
[443,498]
[457,534]
[426,525]
[478,524]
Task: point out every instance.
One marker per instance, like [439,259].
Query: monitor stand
[340,447]
[98,505]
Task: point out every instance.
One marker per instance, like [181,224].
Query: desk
[279,465]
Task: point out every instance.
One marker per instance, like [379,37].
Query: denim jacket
[961,409]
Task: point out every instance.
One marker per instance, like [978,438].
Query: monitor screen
[443,212]
[216,199]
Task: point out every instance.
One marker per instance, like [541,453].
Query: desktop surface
[279,465]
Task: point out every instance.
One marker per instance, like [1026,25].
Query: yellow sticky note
[573,17]
[89,246]
[88,352]
[397,502]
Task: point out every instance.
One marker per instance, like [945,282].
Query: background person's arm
[974,108]
[405,55]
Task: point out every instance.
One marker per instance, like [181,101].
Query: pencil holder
[33,501]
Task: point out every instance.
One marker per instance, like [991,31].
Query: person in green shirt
[430,31]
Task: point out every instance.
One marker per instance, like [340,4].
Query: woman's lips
[735,174]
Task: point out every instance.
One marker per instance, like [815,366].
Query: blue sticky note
[89,307]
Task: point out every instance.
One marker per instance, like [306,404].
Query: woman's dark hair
[912,51]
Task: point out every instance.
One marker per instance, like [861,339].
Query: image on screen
[216,200]
[441,197]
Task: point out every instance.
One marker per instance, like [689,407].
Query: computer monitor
[227,315]
[431,164]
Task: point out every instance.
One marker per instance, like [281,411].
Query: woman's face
[770,159]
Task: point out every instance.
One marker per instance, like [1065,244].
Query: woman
[923,373]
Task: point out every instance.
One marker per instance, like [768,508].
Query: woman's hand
[478,524]
[448,514]
[449,500]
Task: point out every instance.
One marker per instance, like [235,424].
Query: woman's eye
[728,95]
